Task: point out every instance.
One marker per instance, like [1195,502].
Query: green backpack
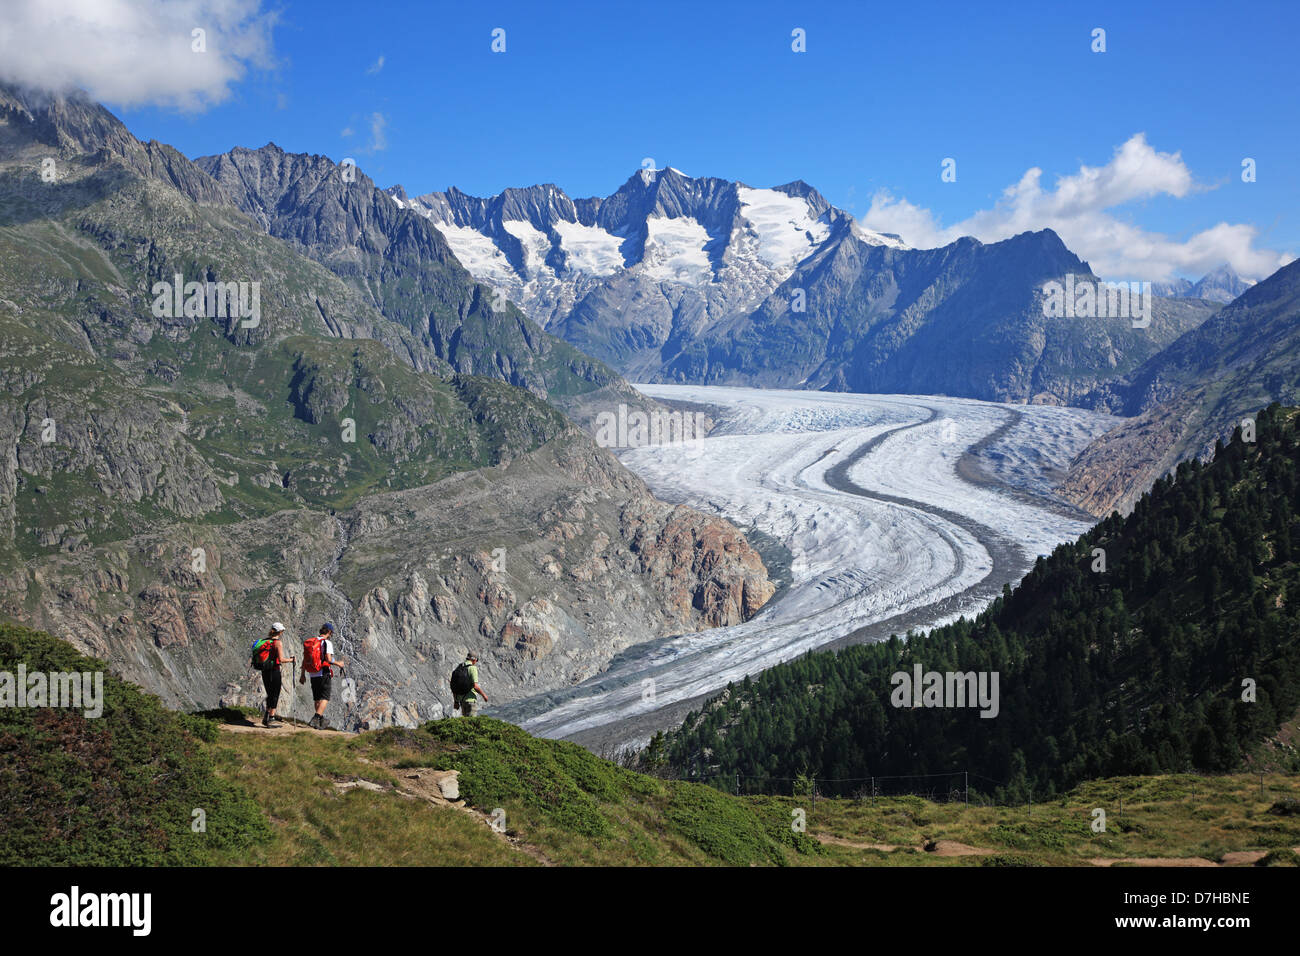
[261,652]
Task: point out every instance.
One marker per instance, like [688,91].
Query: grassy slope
[565,806]
[563,803]
[120,789]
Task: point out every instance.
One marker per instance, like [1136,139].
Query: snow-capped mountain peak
[667,241]
[1221,285]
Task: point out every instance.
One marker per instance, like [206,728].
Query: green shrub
[119,789]
[1282,857]
[499,763]
[1286,807]
[722,826]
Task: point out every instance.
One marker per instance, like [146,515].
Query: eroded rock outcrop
[547,567]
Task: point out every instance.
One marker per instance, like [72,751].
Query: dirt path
[1153,861]
[934,847]
[885,847]
[282,730]
[953,848]
[1243,857]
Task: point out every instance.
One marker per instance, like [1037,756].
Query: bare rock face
[532,630]
[706,567]
[547,567]
[164,616]
[444,610]
[1115,470]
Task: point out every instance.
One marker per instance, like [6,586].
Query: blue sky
[883,94]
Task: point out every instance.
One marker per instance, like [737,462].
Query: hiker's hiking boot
[266,720]
[316,721]
[275,719]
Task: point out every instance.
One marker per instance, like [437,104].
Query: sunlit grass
[565,806]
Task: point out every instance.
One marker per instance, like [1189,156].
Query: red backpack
[313,655]
[262,648]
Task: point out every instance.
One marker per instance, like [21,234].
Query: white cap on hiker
[277,626]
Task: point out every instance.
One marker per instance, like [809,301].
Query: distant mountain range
[658,261]
[702,280]
[1221,285]
[1193,393]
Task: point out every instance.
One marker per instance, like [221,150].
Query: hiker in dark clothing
[270,651]
[464,687]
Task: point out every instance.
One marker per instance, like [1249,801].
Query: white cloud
[133,52]
[377,65]
[1080,208]
[378,133]
[345,132]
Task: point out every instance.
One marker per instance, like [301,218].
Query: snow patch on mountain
[480,255]
[675,250]
[685,250]
[535,243]
[786,231]
[590,249]
[873,238]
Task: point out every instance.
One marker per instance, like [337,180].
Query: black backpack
[461,682]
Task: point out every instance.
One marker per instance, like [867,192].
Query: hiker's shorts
[272,680]
[467,708]
[320,687]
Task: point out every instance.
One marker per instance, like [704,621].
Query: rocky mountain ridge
[1221,285]
[173,478]
[659,259]
[679,279]
[1194,393]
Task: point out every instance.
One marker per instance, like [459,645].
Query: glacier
[899,512]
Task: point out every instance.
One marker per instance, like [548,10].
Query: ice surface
[536,245]
[674,249]
[591,249]
[918,547]
[478,254]
[786,229]
[877,238]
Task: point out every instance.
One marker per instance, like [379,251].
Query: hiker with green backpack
[267,657]
[464,685]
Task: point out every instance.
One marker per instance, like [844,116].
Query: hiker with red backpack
[317,661]
[267,656]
